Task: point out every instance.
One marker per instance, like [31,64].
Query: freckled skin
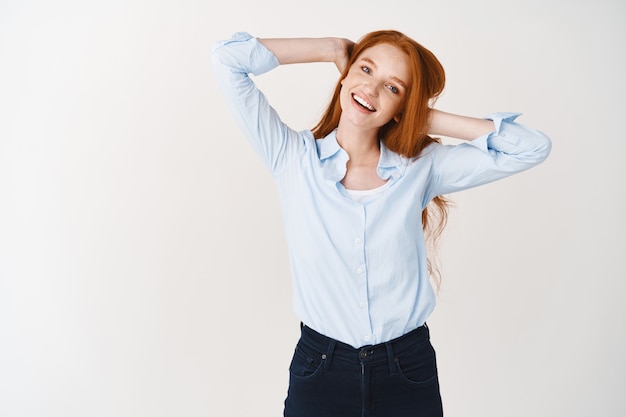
[376,77]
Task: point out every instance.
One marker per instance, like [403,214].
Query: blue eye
[366,69]
[393,89]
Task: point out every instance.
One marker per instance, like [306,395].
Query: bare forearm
[457,126]
[303,50]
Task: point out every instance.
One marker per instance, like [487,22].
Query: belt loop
[392,362]
[329,354]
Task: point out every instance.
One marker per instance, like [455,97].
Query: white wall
[143,270]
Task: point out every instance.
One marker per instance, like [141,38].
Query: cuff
[259,59]
[497,118]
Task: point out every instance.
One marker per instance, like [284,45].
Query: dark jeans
[393,379]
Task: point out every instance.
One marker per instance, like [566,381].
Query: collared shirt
[359,269]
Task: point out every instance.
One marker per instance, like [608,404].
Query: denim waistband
[332,349]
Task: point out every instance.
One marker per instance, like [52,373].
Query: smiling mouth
[361,102]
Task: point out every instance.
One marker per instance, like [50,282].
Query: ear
[396,118]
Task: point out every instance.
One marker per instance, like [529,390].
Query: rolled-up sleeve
[509,149]
[232,61]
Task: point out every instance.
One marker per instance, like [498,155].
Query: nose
[372,87]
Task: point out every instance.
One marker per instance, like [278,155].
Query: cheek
[400,104]
[344,98]
[394,105]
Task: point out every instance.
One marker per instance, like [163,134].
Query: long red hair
[408,136]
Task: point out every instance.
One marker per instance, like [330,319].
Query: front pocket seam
[410,381]
[311,360]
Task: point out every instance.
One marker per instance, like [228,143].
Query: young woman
[354,193]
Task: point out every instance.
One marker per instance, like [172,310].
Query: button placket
[361,274]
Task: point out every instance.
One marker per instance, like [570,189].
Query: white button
[359,270]
[362,305]
[367,338]
[357,240]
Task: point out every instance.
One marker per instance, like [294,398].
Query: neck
[361,145]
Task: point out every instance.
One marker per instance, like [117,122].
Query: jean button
[363,354]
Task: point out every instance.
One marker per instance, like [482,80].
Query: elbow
[218,54]
[543,147]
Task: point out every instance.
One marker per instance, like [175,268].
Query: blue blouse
[359,270]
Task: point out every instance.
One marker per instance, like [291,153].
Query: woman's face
[373,92]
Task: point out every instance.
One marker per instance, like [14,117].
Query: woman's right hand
[344,50]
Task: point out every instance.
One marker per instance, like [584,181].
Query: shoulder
[428,154]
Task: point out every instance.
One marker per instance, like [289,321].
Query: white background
[143,269]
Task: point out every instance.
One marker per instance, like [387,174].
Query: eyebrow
[393,77]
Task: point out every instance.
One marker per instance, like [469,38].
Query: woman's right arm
[303,50]
[234,59]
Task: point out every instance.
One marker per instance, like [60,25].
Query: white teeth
[362,102]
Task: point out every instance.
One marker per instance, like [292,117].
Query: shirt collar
[388,158]
[328,146]
[390,163]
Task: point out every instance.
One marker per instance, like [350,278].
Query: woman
[354,193]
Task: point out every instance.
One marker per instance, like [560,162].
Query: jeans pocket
[418,367]
[305,363]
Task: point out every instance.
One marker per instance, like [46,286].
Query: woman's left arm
[497,147]
[457,126]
